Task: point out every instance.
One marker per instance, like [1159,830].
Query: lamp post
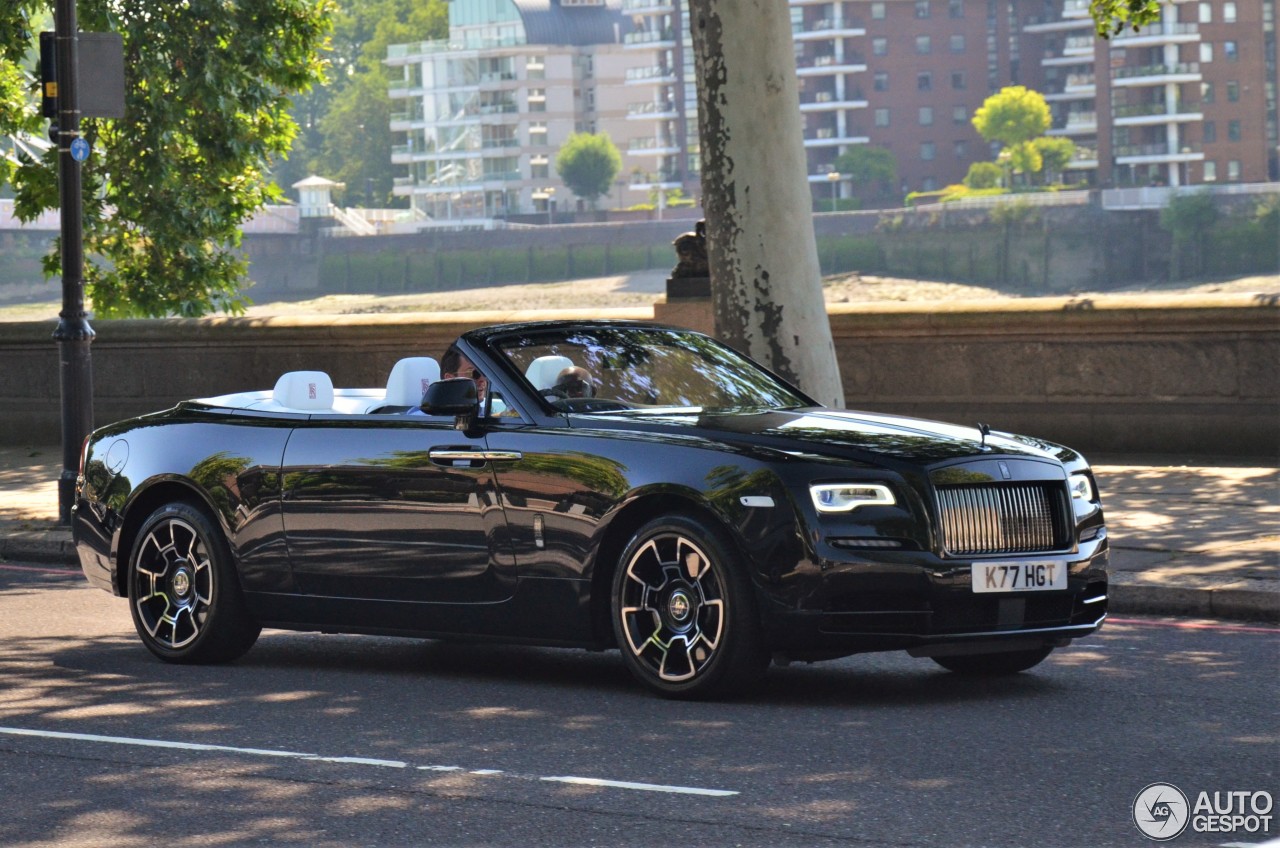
[73,334]
[833,177]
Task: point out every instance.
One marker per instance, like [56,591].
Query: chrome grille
[999,519]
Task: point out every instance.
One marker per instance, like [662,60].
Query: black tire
[684,615]
[992,665]
[183,590]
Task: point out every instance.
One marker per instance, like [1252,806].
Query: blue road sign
[80,149]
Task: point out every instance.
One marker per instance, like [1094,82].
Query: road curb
[1126,598]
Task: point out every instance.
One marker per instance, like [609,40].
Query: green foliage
[1025,158]
[1013,115]
[1111,17]
[1056,152]
[868,167]
[347,121]
[588,163]
[1019,213]
[983,175]
[207,86]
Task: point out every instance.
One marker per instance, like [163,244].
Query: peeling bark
[766,287]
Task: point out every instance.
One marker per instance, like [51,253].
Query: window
[1206,51]
[1206,13]
[1210,171]
[928,151]
[961,149]
[1231,50]
[926,116]
[1206,92]
[1233,91]
[957,44]
[955,8]
[1229,12]
[959,114]
[882,117]
[877,11]
[1233,170]
[924,44]
[957,81]
[924,81]
[880,46]
[1233,130]
[922,8]
[1209,132]
[540,170]
[881,81]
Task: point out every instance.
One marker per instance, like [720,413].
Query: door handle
[449,456]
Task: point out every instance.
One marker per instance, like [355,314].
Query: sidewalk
[1197,537]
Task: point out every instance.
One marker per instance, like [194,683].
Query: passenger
[455,364]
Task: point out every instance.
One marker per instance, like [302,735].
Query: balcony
[1148,114]
[1075,8]
[652,147]
[1079,45]
[830,65]
[648,7]
[652,111]
[1156,74]
[654,75]
[1077,123]
[657,179]
[827,28]
[1152,154]
[826,101]
[650,39]
[1165,32]
[827,137]
[1064,25]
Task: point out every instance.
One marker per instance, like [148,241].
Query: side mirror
[455,396]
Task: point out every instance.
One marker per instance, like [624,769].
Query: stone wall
[1175,375]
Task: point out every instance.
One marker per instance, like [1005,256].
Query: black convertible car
[592,485]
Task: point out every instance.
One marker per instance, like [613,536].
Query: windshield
[637,368]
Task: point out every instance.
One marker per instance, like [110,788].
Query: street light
[833,177]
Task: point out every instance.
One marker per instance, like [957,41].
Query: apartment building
[1190,100]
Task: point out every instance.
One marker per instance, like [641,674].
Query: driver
[574,382]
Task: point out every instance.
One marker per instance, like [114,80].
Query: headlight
[1081,488]
[846,497]
[1082,495]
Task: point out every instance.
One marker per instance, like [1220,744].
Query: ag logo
[1161,812]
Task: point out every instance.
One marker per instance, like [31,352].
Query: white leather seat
[542,372]
[304,390]
[409,379]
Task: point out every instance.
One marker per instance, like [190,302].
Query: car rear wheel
[183,592]
[683,615]
[1007,662]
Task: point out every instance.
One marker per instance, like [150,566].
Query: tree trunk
[766,287]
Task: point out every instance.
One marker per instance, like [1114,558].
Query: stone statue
[691,253]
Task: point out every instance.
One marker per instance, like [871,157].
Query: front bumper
[911,601]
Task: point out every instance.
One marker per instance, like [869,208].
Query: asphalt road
[341,741]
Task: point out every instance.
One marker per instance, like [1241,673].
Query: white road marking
[359,761]
[643,787]
[1270,843]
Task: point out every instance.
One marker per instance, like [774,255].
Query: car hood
[846,433]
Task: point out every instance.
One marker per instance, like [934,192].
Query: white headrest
[304,390]
[409,380]
[542,371]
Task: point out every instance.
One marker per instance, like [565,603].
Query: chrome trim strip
[1068,628]
[1095,600]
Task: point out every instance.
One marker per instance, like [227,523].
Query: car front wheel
[683,614]
[183,592]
